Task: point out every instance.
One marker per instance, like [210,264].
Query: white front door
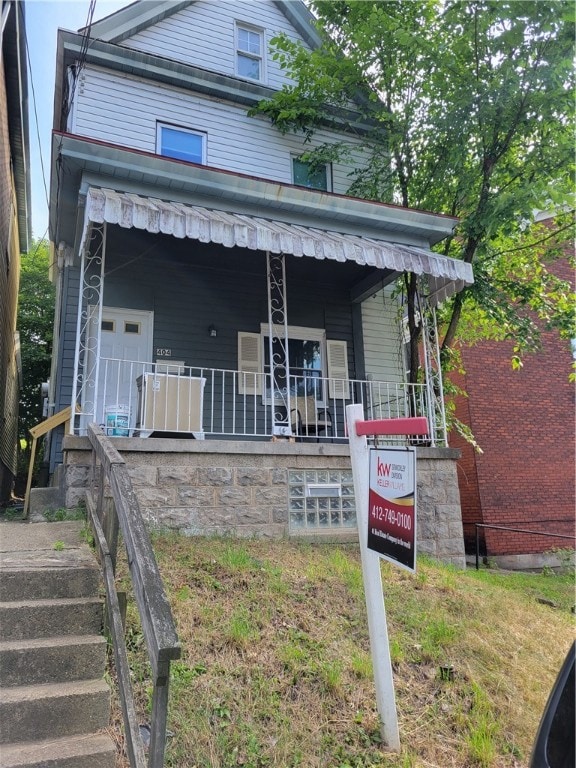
[125,354]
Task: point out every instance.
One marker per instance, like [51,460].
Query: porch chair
[307,420]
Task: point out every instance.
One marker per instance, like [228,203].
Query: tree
[471,103]
[35,324]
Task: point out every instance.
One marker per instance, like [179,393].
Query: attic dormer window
[249,52]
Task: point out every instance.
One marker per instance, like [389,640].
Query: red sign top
[415,425]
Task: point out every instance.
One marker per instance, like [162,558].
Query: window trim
[327,166]
[338,387]
[160,124]
[238,51]
[300,333]
[137,326]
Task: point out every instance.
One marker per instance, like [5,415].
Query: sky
[43,18]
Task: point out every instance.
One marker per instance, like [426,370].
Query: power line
[81,58]
[67,105]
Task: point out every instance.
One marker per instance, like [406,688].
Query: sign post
[377,626]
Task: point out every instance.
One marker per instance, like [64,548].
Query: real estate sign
[392,505]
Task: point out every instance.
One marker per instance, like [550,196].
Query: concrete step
[33,619]
[44,500]
[31,581]
[83,751]
[46,560]
[52,660]
[42,712]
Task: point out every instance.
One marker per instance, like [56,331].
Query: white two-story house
[216,298]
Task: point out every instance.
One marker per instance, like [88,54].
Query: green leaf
[473,113]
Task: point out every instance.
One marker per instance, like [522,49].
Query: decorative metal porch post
[278,344]
[88,324]
[433,372]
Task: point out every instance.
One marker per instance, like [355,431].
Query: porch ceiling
[446,276]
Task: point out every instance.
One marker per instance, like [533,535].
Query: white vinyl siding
[382,344]
[124,110]
[203,35]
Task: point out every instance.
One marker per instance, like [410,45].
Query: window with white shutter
[312,360]
[249,363]
[337,354]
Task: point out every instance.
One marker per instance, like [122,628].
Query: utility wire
[81,57]
[67,105]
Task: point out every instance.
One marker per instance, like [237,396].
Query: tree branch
[536,242]
[450,334]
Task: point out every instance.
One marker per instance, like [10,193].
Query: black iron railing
[517,530]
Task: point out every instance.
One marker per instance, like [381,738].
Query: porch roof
[446,276]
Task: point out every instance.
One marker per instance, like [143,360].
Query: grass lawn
[276,668]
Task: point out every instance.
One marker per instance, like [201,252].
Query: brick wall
[524,422]
[467,469]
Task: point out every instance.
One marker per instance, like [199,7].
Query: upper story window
[181,143]
[303,175]
[249,52]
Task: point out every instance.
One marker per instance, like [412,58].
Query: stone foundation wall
[241,488]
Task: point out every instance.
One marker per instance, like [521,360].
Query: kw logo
[382,469]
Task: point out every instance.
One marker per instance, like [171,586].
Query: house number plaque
[163,352]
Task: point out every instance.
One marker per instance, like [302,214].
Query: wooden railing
[123,514]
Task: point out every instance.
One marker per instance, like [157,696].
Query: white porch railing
[139,399]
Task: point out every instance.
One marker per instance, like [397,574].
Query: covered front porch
[195,323]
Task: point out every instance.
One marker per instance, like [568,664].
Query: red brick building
[524,422]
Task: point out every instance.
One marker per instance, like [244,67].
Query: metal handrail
[222,402]
[516,530]
[155,614]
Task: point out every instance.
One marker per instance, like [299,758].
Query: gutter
[117,167]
